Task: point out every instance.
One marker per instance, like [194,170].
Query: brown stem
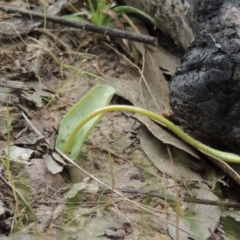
[85,26]
[227,203]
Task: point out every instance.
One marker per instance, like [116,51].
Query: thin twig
[114,190]
[35,129]
[177,200]
[31,125]
[85,26]
[227,203]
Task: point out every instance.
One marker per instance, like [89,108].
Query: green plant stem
[45,13]
[224,156]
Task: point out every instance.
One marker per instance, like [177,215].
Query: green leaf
[78,16]
[100,96]
[91,7]
[129,9]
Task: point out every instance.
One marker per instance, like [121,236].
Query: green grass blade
[91,7]
[75,17]
[129,9]
[98,97]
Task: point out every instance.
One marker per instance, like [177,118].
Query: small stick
[227,203]
[85,26]
[31,125]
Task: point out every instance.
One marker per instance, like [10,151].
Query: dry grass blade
[141,206]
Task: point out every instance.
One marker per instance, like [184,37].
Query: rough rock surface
[205,90]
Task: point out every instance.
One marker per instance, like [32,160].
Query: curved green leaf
[76,17]
[129,9]
[98,97]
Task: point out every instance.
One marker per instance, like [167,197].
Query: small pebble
[120,69]
[110,73]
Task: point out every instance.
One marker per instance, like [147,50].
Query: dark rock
[205,90]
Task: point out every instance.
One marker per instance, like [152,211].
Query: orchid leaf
[100,96]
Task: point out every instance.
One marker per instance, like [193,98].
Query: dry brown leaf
[154,87]
[163,58]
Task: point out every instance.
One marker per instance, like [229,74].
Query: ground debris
[45,73]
